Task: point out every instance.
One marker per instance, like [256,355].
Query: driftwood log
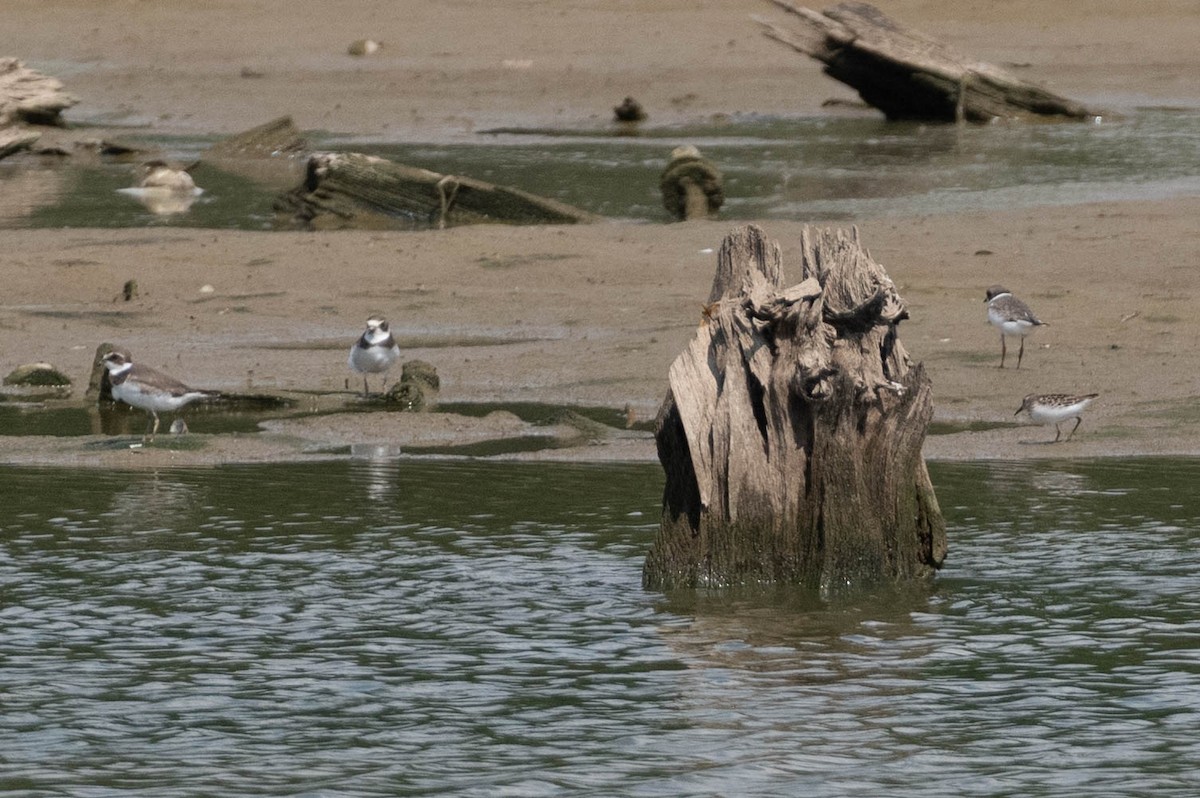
[692,187]
[907,75]
[29,96]
[791,434]
[277,137]
[355,190]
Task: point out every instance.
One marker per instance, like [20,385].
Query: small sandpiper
[1055,408]
[1012,316]
[147,388]
[375,351]
[161,175]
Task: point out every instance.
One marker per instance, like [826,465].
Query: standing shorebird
[1055,408]
[375,350]
[1012,316]
[147,388]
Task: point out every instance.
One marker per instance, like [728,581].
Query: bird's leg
[1078,421]
[366,393]
[1057,432]
[1003,350]
[1021,354]
[153,429]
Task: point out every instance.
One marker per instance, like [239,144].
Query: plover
[1055,408]
[375,350]
[147,388]
[1012,316]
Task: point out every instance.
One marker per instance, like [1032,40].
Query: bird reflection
[152,503]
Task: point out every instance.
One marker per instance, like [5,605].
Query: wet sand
[589,315]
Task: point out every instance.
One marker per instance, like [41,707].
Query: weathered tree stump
[910,76]
[692,187]
[29,96]
[791,434]
[354,190]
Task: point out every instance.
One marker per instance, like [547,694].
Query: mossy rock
[39,379]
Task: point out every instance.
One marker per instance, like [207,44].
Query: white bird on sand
[375,351]
[1055,408]
[1012,317]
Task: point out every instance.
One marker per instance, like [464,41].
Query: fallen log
[355,190]
[277,137]
[13,141]
[29,96]
[908,75]
[792,430]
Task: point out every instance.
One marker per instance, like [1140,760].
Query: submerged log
[277,137]
[29,96]
[907,75]
[791,434]
[355,190]
[692,187]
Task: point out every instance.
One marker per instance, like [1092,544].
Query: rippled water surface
[400,627]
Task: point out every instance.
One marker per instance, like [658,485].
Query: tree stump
[692,187]
[791,434]
[29,96]
[355,190]
[911,76]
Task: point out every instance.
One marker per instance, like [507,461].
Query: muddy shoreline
[584,315]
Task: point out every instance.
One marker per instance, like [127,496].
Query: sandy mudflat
[589,315]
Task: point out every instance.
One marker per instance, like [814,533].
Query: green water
[775,168]
[383,627]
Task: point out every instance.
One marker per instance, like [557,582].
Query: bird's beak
[1019,409]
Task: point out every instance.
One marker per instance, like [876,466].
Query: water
[412,627]
[803,168]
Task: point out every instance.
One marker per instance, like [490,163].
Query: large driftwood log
[910,76]
[791,435]
[355,190]
[29,96]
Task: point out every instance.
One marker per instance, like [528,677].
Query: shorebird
[375,350]
[160,175]
[1012,317]
[1055,408]
[147,388]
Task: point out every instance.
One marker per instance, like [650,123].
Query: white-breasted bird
[1012,317]
[375,351]
[146,388]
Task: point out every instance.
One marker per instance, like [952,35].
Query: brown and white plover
[146,388]
[1012,317]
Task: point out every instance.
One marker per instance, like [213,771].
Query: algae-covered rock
[418,387]
[38,379]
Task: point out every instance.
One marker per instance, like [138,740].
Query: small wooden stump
[692,187]
[908,75]
[791,434]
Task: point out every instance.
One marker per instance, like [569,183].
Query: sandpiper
[1055,408]
[1012,316]
[161,175]
[147,388]
[375,350]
